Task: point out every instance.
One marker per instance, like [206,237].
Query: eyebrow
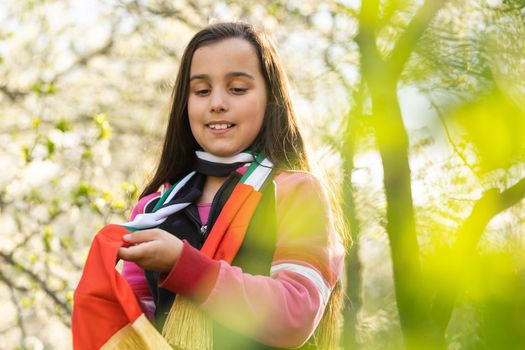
[229,75]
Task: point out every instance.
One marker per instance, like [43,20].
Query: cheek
[191,108]
[194,112]
[257,125]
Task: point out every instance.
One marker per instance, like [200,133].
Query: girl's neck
[211,186]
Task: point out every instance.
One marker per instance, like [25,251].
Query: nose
[218,103]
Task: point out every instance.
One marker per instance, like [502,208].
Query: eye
[238,90]
[202,92]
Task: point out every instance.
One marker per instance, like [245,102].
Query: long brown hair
[279,138]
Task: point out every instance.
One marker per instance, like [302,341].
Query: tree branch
[408,40]
[11,284]
[347,10]
[61,304]
[488,206]
[19,320]
[366,38]
[491,203]
[13,95]
[449,137]
[85,58]
[333,68]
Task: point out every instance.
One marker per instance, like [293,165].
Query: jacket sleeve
[133,274]
[282,309]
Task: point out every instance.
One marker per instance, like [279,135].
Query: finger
[123,254]
[141,236]
[134,253]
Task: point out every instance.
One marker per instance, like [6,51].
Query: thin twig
[16,304]
[8,258]
[449,136]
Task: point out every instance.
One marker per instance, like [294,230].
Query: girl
[269,277]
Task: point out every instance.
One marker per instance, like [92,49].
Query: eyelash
[201,92]
[239,91]
[235,91]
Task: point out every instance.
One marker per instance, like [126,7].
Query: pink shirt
[204,211]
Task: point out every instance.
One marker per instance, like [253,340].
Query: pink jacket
[282,309]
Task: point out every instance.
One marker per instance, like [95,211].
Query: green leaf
[53,211]
[26,154]
[118,204]
[87,154]
[83,192]
[26,302]
[66,242]
[495,126]
[36,122]
[47,236]
[44,89]
[104,128]
[64,125]
[54,208]
[51,147]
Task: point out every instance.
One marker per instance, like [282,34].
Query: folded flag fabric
[106,313]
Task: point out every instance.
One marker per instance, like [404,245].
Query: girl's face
[227,98]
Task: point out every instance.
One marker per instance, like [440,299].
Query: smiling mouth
[220,126]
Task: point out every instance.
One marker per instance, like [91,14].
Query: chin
[223,153]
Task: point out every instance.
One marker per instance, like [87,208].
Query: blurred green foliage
[494,126]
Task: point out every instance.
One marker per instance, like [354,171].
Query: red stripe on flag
[103,302]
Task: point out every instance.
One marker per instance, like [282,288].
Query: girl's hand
[153,249]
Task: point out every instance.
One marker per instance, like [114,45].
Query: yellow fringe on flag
[187,327]
[140,335]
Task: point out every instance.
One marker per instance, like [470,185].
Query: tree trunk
[381,77]
[392,139]
[353,264]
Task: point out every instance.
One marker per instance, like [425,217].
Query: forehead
[224,56]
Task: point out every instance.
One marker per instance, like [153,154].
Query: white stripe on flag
[178,186]
[259,175]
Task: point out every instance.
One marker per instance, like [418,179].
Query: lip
[219,122]
[219,131]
